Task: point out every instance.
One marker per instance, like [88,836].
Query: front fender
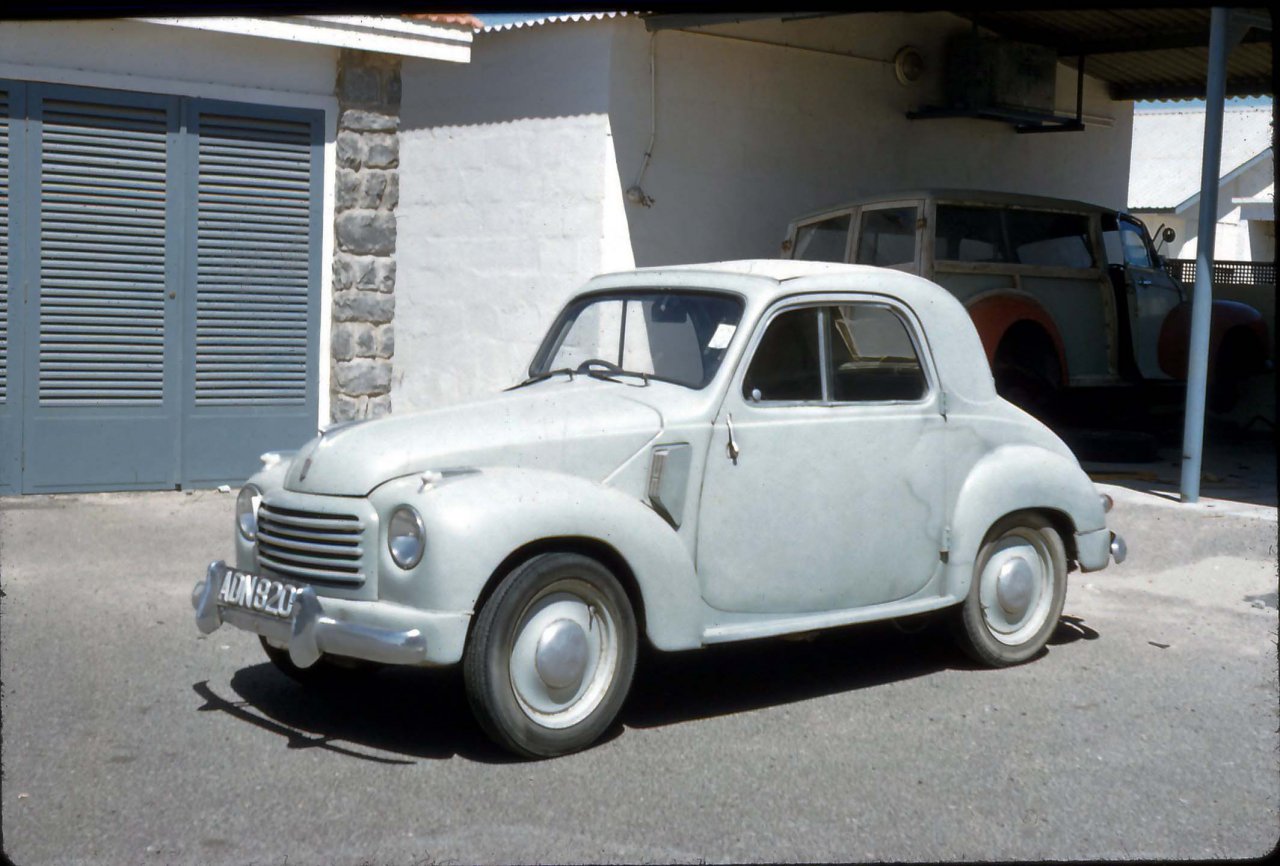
[1016,478]
[475,521]
[1175,333]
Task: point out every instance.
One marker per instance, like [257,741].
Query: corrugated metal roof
[1168,146]
[462,19]
[555,19]
[1143,53]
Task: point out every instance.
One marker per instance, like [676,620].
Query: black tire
[1026,370]
[1237,358]
[325,673]
[991,627]
[539,683]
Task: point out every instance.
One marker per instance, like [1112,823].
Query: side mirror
[1168,235]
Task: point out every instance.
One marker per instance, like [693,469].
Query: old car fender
[994,313]
[1175,333]
[1017,478]
[476,520]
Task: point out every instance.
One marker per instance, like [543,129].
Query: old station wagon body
[1063,293]
[700,454]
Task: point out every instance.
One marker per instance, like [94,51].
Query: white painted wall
[505,175]
[512,169]
[751,135]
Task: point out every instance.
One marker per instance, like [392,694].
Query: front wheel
[551,656]
[1018,589]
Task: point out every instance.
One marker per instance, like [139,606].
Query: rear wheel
[1026,369]
[551,657]
[1018,589]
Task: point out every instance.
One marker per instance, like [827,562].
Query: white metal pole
[1202,298]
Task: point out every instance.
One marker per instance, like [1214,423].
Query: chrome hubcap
[565,653]
[561,656]
[1016,586]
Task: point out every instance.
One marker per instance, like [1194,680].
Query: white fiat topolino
[701,454]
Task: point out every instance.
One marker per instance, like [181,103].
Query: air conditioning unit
[984,72]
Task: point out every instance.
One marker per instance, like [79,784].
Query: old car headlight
[247,511]
[405,537]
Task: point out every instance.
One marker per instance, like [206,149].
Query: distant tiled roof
[1168,146]
[555,19]
[464,19]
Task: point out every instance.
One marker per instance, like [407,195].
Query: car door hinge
[946,544]
[942,403]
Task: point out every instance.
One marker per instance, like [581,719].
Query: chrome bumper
[1119,550]
[1096,550]
[329,626]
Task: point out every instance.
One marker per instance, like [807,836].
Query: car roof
[952,194]
[948,328]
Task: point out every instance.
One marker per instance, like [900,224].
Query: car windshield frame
[555,335]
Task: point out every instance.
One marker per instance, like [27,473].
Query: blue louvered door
[11,114]
[254,264]
[102,378]
[159,284]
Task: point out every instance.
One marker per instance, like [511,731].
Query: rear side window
[872,356]
[1013,235]
[970,234]
[887,237]
[823,241]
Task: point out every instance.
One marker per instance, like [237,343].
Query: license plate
[257,593]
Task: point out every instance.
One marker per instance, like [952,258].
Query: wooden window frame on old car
[904,315]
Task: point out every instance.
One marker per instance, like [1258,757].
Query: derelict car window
[887,237]
[786,364]
[872,356]
[678,337]
[1050,239]
[823,241]
[970,234]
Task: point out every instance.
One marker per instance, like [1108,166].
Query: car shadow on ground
[397,716]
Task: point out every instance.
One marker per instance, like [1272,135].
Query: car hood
[583,428]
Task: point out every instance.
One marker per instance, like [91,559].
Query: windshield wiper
[608,375]
[542,377]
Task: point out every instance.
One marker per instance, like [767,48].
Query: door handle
[732,448]
[1142,281]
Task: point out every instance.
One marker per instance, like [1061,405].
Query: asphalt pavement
[1147,730]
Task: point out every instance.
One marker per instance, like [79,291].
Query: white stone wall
[751,135]
[513,168]
[501,218]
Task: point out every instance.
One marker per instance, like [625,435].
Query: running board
[767,625]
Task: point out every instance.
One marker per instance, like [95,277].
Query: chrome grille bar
[311,545]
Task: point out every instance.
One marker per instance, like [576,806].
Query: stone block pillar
[367,190]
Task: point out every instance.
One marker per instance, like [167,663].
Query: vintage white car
[701,454]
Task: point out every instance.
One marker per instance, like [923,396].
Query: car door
[1150,291]
[830,494]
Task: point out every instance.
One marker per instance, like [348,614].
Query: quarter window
[823,241]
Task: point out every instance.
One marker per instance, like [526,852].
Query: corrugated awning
[1142,53]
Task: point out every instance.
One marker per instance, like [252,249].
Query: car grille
[310,545]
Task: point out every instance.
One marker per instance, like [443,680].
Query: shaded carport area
[1140,54]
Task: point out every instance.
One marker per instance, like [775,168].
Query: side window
[970,234]
[823,241]
[786,363]
[1050,239]
[872,356]
[1134,244]
[887,237]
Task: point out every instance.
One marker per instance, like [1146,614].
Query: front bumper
[378,631]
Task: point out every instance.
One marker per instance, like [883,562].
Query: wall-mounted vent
[982,72]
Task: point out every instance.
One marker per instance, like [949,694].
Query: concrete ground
[1147,730]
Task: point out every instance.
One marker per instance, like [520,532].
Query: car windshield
[678,337]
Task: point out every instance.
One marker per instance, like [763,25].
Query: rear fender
[1016,478]
[994,313]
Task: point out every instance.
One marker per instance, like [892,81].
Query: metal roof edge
[1190,201]
[566,18]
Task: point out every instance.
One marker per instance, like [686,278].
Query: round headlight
[405,537]
[247,511]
